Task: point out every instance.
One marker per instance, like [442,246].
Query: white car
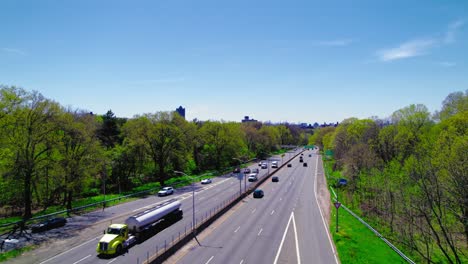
[166,191]
[206,181]
[252,177]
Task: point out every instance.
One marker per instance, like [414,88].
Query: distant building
[247,119]
[181,111]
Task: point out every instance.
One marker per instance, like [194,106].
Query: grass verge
[357,244]
[14,253]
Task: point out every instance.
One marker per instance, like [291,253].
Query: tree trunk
[69,199]
[27,196]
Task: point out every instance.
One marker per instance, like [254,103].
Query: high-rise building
[181,111]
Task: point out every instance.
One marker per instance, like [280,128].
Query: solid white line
[261,229]
[282,240]
[297,242]
[272,212]
[242,261]
[82,259]
[47,260]
[320,210]
[254,210]
[209,260]
[237,229]
[111,261]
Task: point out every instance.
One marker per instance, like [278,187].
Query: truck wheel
[118,250]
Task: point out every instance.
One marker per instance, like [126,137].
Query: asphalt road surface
[285,226]
[77,241]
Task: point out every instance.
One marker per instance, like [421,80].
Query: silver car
[166,191]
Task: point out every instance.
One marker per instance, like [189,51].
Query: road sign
[240,176]
[337,205]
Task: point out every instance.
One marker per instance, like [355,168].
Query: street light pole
[193,203]
[240,181]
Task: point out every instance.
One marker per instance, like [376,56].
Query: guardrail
[373,230]
[163,252]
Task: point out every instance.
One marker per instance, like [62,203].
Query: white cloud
[335,43]
[406,50]
[447,64]
[452,30]
[14,51]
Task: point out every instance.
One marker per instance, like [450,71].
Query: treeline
[409,175]
[50,154]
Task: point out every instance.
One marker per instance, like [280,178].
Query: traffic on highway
[85,246]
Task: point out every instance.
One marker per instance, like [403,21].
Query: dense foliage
[51,155]
[409,175]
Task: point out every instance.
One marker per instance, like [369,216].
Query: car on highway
[246,170]
[206,181]
[258,193]
[300,159]
[48,224]
[264,166]
[236,170]
[289,165]
[275,179]
[252,177]
[310,155]
[256,170]
[274,164]
[166,191]
[304,164]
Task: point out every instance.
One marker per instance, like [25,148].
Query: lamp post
[193,202]
[245,184]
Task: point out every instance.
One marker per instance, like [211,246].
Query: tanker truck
[138,227]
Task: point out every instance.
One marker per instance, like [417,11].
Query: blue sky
[296,61]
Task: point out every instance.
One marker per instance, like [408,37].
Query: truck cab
[114,240]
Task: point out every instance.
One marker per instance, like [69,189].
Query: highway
[285,226]
[90,226]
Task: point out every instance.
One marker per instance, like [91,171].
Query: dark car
[236,170]
[246,170]
[256,170]
[310,155]
[48,224]
[275,179]
[258,193]
[289,165]
[304,164]
[301,160]
[342,182]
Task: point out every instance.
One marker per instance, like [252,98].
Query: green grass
[14,253]
[357,244]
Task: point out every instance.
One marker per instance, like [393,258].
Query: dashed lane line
[82,259]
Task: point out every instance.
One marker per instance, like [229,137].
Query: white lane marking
[242,261]
[320,210]
[297,242]
[111,261]
[261,230]
[56,256]
[254,210]
[272,212]
[282,240]
[82,259]
[281,199]
[209,260]
[237,229]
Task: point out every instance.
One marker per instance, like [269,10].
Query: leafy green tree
[454,103]
[81,153]
[109,131]
[221,143]
[161,140]
[29,137]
